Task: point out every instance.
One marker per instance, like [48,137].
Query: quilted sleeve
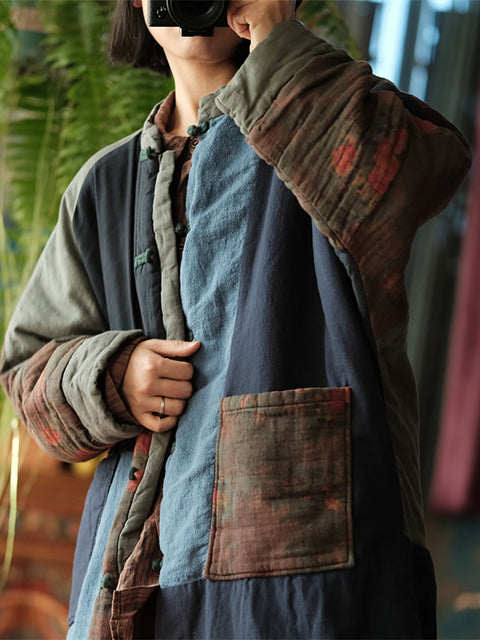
[367,162]
[56,349]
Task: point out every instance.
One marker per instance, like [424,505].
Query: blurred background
[60,101]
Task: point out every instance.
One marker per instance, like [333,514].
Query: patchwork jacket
[291,502]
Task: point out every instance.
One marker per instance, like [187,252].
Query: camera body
[194,17]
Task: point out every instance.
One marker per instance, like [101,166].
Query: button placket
[197,130]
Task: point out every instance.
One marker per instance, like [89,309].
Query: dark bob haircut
[131,42]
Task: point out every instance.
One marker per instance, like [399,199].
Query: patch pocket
[282,497]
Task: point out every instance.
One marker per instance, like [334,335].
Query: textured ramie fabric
[218,213]
[183,147]
[357,174]
[94,578]
[273,447]
[367,165]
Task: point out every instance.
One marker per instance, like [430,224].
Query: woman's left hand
[255,19]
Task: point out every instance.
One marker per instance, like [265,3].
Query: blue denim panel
[92,581]
[221,192]
[92,512]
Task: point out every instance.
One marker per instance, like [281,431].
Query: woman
[265,212]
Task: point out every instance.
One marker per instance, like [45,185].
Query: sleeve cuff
[112,381]
[272,63]
[82,385]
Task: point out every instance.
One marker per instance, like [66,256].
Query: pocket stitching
[348,558]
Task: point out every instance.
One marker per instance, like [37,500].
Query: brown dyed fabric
[37,387]
[358,174]
[145,562]
[282,497]
[139,542]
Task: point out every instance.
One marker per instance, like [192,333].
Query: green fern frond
[325,18]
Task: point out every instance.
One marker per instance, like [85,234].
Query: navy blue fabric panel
[349,357]
[279,329]
[371,602]
[299,325]
[103,226]
[92,512]
[146,259]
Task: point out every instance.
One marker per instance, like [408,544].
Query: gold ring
[162,407]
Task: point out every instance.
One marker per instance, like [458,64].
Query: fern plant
[55,112]
[8,433]
[325,18]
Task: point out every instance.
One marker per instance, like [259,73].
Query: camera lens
[195,14]
[197,9]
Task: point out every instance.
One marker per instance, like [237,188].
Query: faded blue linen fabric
[93,577]
[221,192]
[94,504]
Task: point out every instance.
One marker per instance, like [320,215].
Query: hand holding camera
[250,19]
[255,19]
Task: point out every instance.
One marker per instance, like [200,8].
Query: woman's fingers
[255,19]
[157,421]
[153,422]
[174,369]
[179,389]
[156,358]
[172,348]
[170,406]
[152,385]
[154,378]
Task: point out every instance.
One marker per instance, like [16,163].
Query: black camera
[194,17]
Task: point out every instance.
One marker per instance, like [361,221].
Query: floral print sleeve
[35,391]
[56,350]
[367,162]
